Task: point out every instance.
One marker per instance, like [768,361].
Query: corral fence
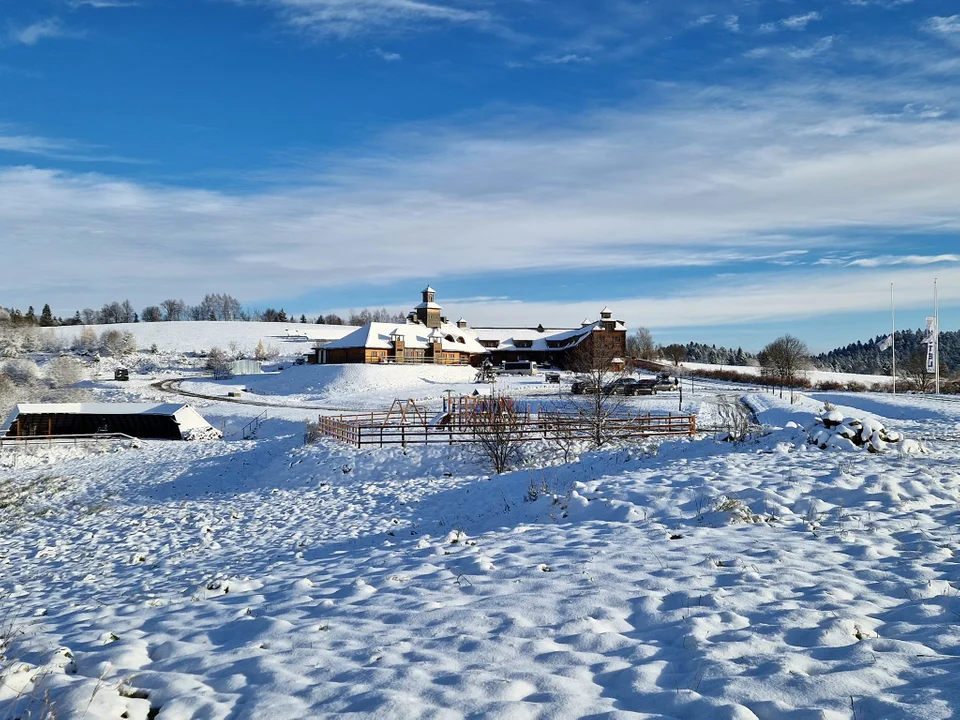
[28,440]
[468,420]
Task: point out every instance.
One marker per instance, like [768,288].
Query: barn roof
[186,418]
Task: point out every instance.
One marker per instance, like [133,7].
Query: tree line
[217,307]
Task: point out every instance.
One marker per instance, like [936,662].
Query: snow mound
[831,429]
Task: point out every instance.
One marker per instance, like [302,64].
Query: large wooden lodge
[428,337]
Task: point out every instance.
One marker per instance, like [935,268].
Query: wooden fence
[415,428]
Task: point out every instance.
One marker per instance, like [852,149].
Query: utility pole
[936,337]
[893,338]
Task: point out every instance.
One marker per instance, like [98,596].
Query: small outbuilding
[167,421]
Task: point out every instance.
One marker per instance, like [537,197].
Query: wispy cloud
[892,260]
[805,53]
[55,148]
[348,18]
[568,59]
[100,4]
[949,25]
[40,30]
[712,177]
[796,22]
[387,55]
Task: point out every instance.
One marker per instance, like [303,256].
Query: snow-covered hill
[693,578]
[181,337]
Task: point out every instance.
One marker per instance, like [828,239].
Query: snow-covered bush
[21,372]
[63,371]
[218,362]
[11,342]
[117,343]
[87,341]
[50,342]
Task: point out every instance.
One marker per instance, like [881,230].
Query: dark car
[646,386]
[121,374]
[584,387]
[621,386]
[552,377]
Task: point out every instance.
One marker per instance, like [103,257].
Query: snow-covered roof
[428,289]
[184,415]
[380,336]
[429,306]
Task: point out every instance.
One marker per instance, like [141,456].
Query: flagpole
[893,339]
[936,338]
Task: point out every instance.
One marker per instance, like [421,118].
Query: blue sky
[721,171]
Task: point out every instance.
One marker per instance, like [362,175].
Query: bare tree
[219,363]
[89,316]
[785,358]
[498,434]
[641,344]
[173,309]
[594,361]
[218,306]
[675,353]
[151,313]
[914,369]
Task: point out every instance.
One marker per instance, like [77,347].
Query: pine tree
[31,316]
[46,316]
[303,318]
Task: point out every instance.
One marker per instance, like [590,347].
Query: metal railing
[20,440]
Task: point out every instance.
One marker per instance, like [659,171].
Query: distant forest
[868,358]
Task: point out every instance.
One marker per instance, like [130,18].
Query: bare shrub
[117,342]
[64,371]
[87,341]
[21,372]
[218,362]
[499,436]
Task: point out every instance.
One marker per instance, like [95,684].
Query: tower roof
[428,289]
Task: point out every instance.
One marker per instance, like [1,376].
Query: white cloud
[796,22]
[54,148]
[945,25]
[891,260]
[41,30]
[386,55]
[805,53]
[712,177]
[100,4]
[346,18]
[732,23]
[568,59]
[784,296]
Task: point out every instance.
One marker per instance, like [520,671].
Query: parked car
[665,382]
[621,386]
[121,374]
[646,386]
[584,386]
[552,377]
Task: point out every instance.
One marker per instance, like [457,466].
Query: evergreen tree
[31,316]
[46,316]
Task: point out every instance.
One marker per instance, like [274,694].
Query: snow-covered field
[689,579]
[814,376]
[183,337]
